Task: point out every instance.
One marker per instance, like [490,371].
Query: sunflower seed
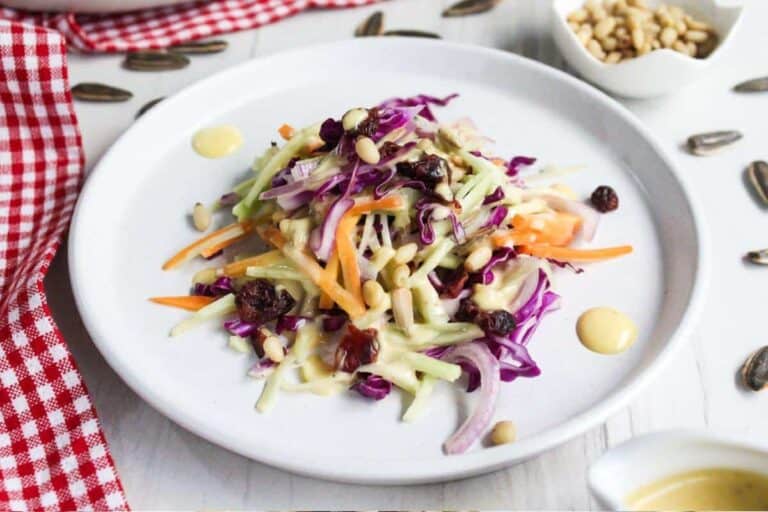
[411,33]
[754,372]
[373,25]
[148,105]
[758,176]
[155,61]
[759,257]
[754,85]
[199,47]
[91,91]
[704,144]
[467,7]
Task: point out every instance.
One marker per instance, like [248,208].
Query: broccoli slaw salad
[401,253]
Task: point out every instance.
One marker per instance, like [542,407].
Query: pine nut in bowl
[631,49]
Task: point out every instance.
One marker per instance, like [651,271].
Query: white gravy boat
[646,459]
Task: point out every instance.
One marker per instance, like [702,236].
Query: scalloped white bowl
[645,459]
[654,74]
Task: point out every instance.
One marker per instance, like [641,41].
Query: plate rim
[423,470]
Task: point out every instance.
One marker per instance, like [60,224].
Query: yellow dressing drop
[217,141]
[606,331]
[703,489]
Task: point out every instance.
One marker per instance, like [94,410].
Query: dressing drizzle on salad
[217,141]
[402,252]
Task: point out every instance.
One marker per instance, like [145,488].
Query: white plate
[132,216]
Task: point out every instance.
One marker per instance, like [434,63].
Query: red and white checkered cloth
[166,26]
[53,455]
[52,452]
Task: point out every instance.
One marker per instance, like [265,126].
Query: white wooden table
[163,466]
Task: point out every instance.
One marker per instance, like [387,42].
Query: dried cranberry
[259,302]
[468,311]
[605,199]
[370,125]
[430,169]
[498,322]
[257,341]
[388,149]
[356,348]
[453,282]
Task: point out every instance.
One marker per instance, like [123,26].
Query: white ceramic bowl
[654,74]
[645,459]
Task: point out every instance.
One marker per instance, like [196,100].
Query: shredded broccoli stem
[269,394]
[432,366]
[220,307]
[442,248]
[243,209]
[274,272]
[420,400]
[399,374]
[428,302]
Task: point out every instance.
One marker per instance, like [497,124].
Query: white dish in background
[133,211]
[657,73]
[646,459]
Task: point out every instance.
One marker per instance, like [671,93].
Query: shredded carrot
[385,203]
[345,248]
[286,131]
[556,229]
[316,273]
[332,269]
[197,247]
[569,254]
[210,251]
[272,235]
[238,268]
[188,302]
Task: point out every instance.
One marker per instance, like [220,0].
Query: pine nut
[579,16]
[353,118]
[595,49]
[201,217]
[605,27]
[668,37]
[400,276]
[367,151]
[680,47]
[373,293]
[584,34]
[613,58]
[273,349]
[405,253]
[402,308]
[696,36]
[630,28]
[696,25]
[504,432]
[610,44]
[478,258]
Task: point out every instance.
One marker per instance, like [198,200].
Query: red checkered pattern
[166,26]
[53,454]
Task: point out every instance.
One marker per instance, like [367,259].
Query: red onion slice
[481,357]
